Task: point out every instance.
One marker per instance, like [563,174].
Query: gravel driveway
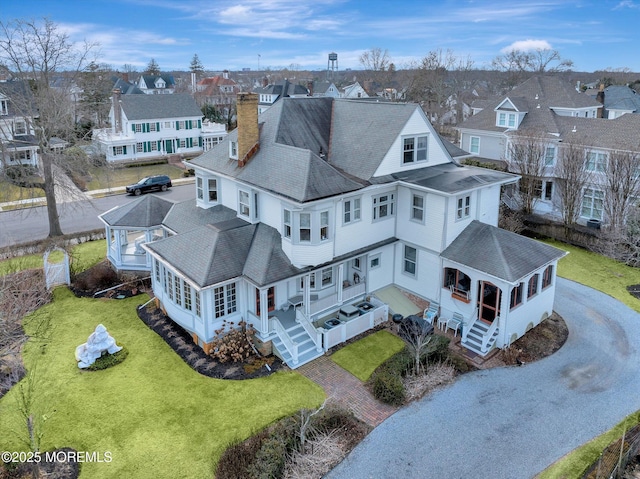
[514,422]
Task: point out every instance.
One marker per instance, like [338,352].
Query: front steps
[474,338]
[307,350]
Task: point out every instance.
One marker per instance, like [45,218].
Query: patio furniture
[431,313]
[442,323]
[298,299]
[455,322]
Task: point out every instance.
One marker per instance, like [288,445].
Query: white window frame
[476,150]
[591,196]
[326,277]
[549,155]
[375,261]
[384,202]
[139,147]
[286,223]
[233,150]
[463,207]
[306,227]
[199,188]
[596,161]
[118,150]
[408,263]
[417,210]
[215,190]
[137,127]
[152,126]
[244,204]
[418,150]
[20,127]
[351,210]
[324,225]
[225,300]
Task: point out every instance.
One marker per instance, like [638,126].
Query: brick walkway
[346,390]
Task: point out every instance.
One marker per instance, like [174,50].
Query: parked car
[150,183]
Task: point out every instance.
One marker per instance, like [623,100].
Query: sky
[299,34]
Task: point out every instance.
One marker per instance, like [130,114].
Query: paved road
[29,224]
[514,422]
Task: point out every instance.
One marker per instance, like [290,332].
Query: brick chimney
[225,74]
[310,88]
[248,132]
[117,111]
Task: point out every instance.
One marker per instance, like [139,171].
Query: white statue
[99,341]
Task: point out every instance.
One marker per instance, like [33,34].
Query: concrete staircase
[476,334]
[307,350]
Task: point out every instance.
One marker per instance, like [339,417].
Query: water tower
[332,66]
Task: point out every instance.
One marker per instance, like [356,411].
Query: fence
[614,459]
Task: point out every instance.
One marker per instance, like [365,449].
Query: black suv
[150,183]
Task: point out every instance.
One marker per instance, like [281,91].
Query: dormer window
[507,119]
[4,107]
[233,150]
[20,128]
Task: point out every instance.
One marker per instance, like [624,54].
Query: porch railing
[312,331]
[489,334]
[353,291]
[467,326]
[347,330]
[289,344]
[332,300]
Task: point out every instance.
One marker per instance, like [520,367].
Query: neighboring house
[268,94]
[18,143]
[354,90]
[125,87]
[554,113]
[156,84]
[217,90]
[324,88]
[155,126]
[620,100]
[310,211]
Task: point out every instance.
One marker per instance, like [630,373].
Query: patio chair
[455,322]
[431,313]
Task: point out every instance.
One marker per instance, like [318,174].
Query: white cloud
[626,4]
[527,45]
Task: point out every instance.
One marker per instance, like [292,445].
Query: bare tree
[525,157]
[377,63]
[621,185]
[572,176]
[37,52]
[95,85]
[520,63]
[417,335]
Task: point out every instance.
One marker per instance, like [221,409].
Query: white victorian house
[303,214]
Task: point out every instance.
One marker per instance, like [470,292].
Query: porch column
[340,281]
[117,234]
[264,313]
[307,296]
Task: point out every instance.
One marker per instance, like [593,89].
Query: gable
[417,126]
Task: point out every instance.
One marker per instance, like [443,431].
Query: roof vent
[574,129]
[537,96]
[538,106]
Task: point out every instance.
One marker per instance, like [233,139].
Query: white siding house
[312,215]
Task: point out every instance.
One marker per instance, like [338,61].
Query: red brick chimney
[117,111]
[248,132]
[310,88]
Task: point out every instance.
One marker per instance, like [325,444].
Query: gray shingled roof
[551,92]
[499,253]
[252,251]
[287,162]
[451,178]
[355,152]
[186,216]
[620,97]
[622,133]
[145,107]
[144,212]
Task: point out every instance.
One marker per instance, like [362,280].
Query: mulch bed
[540,342]
[192,354]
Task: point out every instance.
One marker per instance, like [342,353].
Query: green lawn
[84,256]
[364,356]
[599,272]
[9,192]
[156,416]
[111,177]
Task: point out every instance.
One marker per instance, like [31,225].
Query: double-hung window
[596,161]
[324,225]
[199,190]
[592,204]
[224,300]
[417,208]
[410,260]
[516,296]
[383,206]
[532,288]
[549,155]
[547,276]
[286,230]
[213,189]
[351,210]
[244,203]
[463,207]
[414,149]
[305,226]
[327,277]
